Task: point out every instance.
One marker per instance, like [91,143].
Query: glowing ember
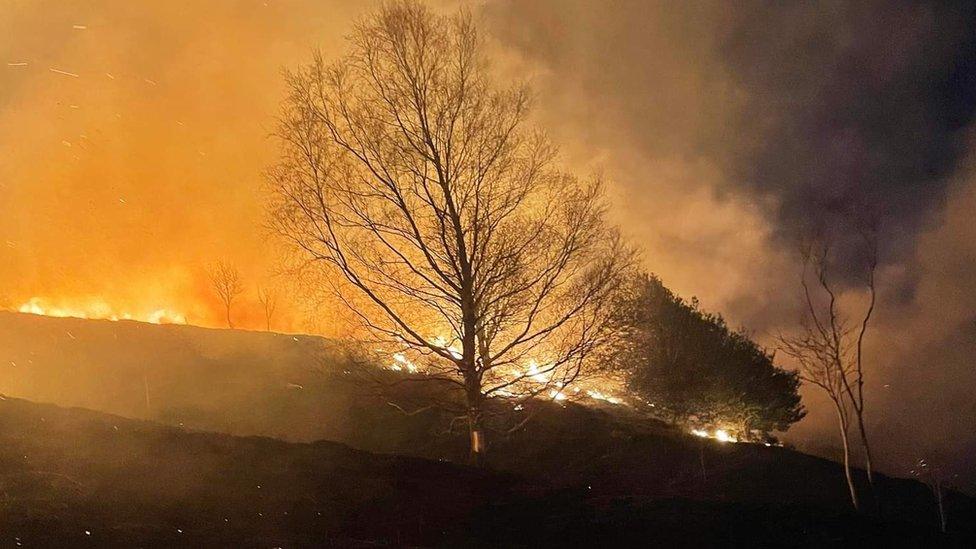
[724,436]
[534,373]
[557,395]
[598,395]
[720,435]
[401,362]
[454,348]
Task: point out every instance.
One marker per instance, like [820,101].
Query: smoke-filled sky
[728,129]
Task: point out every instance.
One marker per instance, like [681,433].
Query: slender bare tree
[855,387]
[226,282]
[268,297]
[831,352]
[439,218]
[933,477]
[822,351]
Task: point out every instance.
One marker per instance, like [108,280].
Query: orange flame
[98,309]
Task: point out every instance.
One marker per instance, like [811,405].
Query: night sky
[729,130]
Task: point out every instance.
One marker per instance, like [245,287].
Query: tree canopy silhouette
[694,369]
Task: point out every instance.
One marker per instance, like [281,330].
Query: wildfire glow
[401,362]
[533,373]
[724,436]
[454,349]
[720,435]
[557,395]
[98,309]
[597,395]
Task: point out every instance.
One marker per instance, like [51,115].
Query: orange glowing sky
[129,178]
[121,184]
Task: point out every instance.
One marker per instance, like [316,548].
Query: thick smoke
[851,110]
[735,129]
[728,128]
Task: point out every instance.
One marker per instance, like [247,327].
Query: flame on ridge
[98,309]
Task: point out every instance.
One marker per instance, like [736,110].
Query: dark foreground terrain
[76,478]
[576,475]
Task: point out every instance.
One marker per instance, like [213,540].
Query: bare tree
[268,297]
[456,240]
[932,476]
[818,367]
[856,393]
[823,350]
[226,282]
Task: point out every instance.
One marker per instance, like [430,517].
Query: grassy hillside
[80,478]
[77,478]
[288,387]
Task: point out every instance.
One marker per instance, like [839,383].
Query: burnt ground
[77,478]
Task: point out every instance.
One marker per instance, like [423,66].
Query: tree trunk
[145,385]
[868,467]
[847,461]
[850,478]
[229,324]
[469,367]
[479,441]
[938,497]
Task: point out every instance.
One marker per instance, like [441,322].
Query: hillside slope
[77,478]
[250,383]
